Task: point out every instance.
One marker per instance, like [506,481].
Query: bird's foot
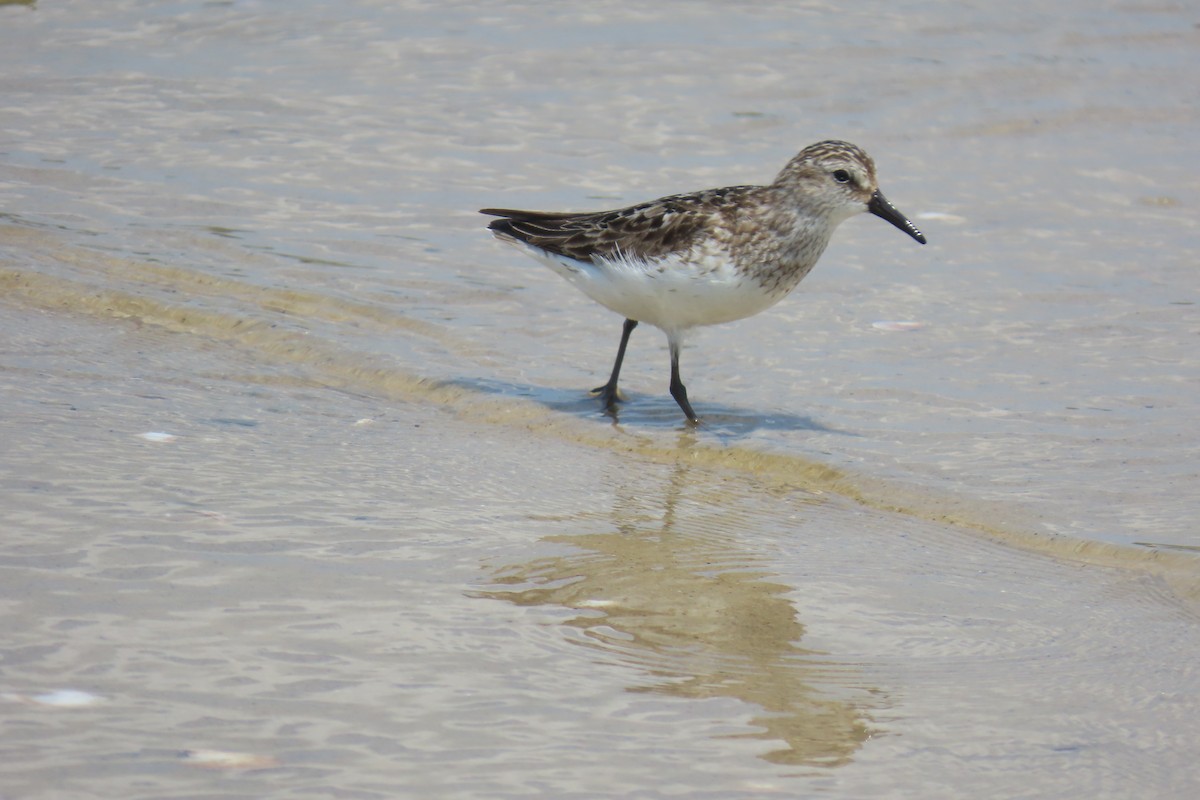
[609,396]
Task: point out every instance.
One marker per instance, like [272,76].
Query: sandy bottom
[270,586]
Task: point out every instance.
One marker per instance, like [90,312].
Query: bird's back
[645,231]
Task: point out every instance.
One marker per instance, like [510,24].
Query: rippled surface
[302,493]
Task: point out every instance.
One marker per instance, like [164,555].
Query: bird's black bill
[880,207]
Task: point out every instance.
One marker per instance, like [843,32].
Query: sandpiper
[707,257]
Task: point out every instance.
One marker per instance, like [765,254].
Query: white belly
[668,293]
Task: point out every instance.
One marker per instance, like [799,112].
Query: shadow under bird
[707,257]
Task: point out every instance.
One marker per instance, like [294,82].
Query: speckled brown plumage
[646,230]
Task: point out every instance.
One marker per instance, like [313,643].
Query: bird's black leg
[678,390]
[608,392]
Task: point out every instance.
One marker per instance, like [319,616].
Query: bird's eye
[841,176]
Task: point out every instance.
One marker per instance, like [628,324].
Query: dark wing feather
[646,230]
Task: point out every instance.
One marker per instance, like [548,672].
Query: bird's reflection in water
[669,590]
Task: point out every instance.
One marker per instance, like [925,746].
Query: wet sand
[399,599]
[298,466]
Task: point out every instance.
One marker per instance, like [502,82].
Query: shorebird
[707,257]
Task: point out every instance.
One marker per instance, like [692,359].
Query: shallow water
[383,541]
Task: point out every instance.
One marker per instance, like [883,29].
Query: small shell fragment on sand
[225,759]
[157,436]
[59,698]
[898,325]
